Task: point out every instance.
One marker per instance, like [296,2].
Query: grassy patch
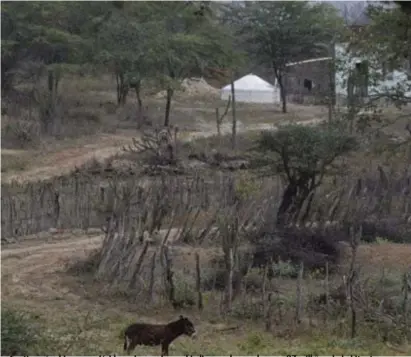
[14,162]
[22,332]
[77,315]
[79,332]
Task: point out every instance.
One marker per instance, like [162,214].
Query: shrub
[284,269]
[18,333]
[20,133]
[294,245]
[302,155]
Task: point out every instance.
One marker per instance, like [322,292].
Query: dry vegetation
[187,240]
[93,126]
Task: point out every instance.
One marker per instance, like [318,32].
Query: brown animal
[154,335]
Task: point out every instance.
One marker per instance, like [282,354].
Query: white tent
[252,89]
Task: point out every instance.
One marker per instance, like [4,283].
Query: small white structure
[252,89]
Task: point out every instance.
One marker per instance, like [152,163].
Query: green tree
[44,36]
[303,155]
[386,42]
[279,32]
[123,45]
[384,47]
[187,43]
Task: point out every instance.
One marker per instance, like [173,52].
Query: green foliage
[245,186]
[186,46]
[305,149]
[303,154]
[40,34]
[388,35]
[284,269]
[386,45]
[18,333]
[280,32]
[276,33]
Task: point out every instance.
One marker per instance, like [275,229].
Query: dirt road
[102,147]
[32,266]
[47,165]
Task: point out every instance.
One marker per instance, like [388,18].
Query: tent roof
[250,82]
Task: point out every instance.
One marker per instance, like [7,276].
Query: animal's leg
[164,349]
[127,342]
[132,345]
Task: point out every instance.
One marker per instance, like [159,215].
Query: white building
[386,82]
[252,89]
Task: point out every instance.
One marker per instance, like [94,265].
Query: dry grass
[94,128]
[14,161]
[83,318]
[389,256]
[61,157]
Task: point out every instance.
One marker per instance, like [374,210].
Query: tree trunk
[218,123]
[138,95]
[234,131]
[282,93]
[168,107]
[6,78]
[118,87]
[47,116]
[293,200]
[286,202]
[332,94]
[122,89]
[139,118]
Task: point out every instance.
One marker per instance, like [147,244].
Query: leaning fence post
[152,271]
[327,288]
[56,209]
[299,301]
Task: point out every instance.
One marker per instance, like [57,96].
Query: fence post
[299,301]
[56,209]
[198,283]
[406,287]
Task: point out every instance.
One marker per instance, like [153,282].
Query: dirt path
[31,268]
[47,165]
[102,147]
[33,264]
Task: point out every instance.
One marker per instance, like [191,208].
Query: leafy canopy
[279,32]
[303,149]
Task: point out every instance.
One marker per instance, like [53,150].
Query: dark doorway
[308,84]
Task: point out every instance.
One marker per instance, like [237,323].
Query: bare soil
[43,165]
[34,279]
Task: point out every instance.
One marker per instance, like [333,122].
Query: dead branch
[139,264]
[161,143]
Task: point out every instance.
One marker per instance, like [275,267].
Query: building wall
[250,96]
[308,82]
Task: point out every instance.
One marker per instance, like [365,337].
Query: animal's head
[187,326]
